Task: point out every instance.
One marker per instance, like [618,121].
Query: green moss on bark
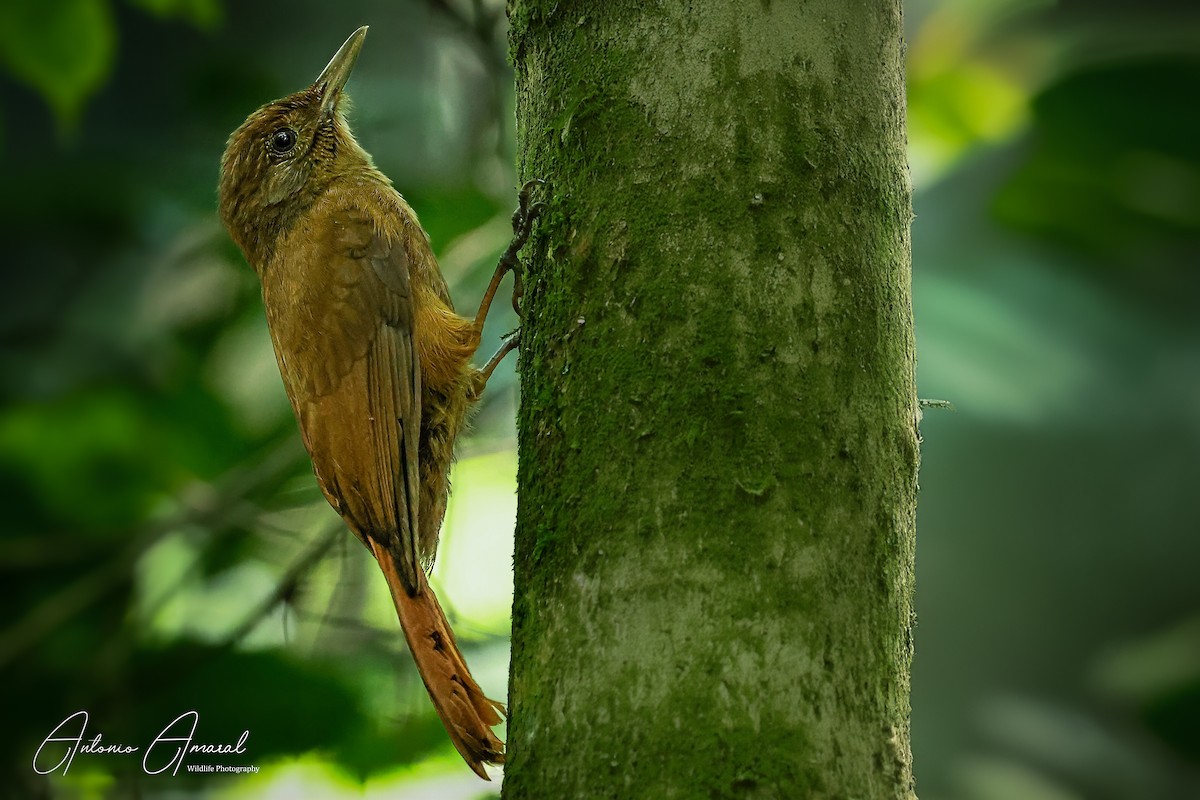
[718,422]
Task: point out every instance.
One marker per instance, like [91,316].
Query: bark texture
[718,444]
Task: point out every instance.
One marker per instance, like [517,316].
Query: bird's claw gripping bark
[522,221]
[510,342]
[522,225]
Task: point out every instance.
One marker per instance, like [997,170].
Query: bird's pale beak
[337,72]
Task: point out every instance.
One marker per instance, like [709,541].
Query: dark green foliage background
[1056,285]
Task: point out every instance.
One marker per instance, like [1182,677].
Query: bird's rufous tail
[465,711]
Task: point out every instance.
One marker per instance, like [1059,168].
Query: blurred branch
[92,587]
[290,579]
[293,576]
[27,552]
[479,28]
[390,640]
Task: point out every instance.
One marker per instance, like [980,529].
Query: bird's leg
[481,377]
[522,223]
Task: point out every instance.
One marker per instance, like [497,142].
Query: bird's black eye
[282,141]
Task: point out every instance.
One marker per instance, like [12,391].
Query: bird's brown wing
[340,310]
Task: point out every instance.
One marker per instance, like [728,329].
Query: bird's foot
[522,221]
[522,224]
[479,382]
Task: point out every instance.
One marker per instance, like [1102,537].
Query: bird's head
[285,154]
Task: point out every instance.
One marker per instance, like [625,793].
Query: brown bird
[375,361]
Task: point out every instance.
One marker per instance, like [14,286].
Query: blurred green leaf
[63,49]
[372,749]
[992,778]
[1173,717]
[996,356]
[1153,664]
[204,14]
[85,458]
[288,705]
[1114,173]
[1159,674]
[956,109]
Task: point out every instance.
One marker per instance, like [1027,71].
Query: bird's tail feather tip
[466,712]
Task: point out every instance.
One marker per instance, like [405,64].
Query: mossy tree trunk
[718,445]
